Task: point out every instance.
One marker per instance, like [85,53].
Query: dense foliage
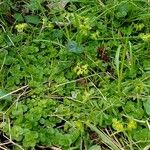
[75,74]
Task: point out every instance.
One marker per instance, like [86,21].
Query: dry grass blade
[105,138]
[2,148]
[147,147]
[18,146]
[26,86]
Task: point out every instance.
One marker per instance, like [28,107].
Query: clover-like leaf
[147,106]
[33,19]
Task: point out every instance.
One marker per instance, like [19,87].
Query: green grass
[75,75]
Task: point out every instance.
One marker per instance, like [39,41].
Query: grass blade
[117,63]
[105,138]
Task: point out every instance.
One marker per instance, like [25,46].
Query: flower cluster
[47,24]
[79,125]
[131,125]
[20,27]
[84,26]
[139,27]
[95,35]
[81,23]
[81,69]
[145,37]
[117,125]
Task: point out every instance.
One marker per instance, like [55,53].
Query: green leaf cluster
[106,39]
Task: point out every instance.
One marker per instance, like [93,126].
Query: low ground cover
[75,74]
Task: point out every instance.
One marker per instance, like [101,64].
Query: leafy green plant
[76,77]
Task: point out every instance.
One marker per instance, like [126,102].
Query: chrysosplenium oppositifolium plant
[76,77]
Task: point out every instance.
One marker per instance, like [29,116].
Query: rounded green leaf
[147,106]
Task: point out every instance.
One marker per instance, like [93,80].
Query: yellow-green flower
[20,27]
[79,125]
[50,25]
[84,29]
[95,35]
[139,27]
[81,69]
[145,37]
[47,24]
[86,96]
[117,125]
[131,125]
